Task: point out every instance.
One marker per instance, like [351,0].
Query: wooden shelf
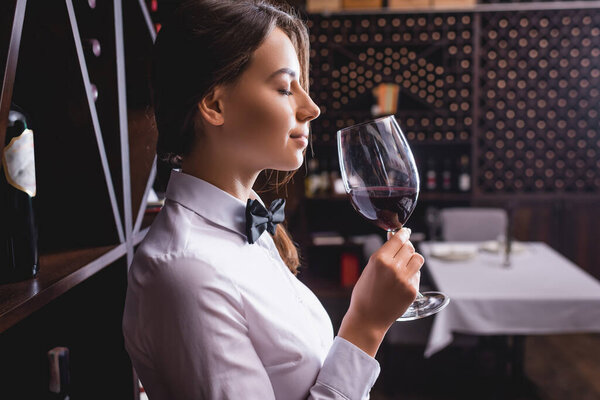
[58,273]
[527,196]
[445,196]
[332,197]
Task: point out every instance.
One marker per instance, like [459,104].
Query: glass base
[425,305]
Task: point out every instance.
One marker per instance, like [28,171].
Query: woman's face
[266,113]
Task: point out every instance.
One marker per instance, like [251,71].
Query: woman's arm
[202,348]
[385,289]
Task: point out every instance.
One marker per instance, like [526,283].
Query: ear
[211,106]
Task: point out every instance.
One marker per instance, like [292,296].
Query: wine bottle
[349,269]
[59,381]
[336,182]
[311,182]
[325,184]
[446,176]
[464,178]
[18,231]
[431,174]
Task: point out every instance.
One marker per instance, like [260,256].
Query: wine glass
[380,175]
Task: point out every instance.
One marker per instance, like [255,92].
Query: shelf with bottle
[419,127]
[59,272]
[445,174]
[30,280]
[445,171]
[323,178]
[93,156]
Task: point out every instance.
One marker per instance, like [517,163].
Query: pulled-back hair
[206,43]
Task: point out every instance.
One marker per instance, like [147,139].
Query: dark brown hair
[207,43]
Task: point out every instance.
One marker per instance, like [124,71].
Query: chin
[291,164]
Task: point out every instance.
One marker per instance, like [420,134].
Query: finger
[391,247]
[415,263]
[415,280]
[402,257]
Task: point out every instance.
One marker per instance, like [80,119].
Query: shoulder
[183,249]
[177,229]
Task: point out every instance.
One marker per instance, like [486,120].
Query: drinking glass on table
[380,175]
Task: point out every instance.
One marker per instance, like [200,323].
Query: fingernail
[404,234]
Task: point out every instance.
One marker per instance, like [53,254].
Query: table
[542,292]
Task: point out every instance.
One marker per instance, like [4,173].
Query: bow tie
[258,218]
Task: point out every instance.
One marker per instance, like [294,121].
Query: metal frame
[95,121]
[10,69]
[123,125]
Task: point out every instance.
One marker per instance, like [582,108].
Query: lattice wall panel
[538,83]
[540,92]
[428,56]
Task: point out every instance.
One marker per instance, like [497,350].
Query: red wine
[18,228]
[386,207]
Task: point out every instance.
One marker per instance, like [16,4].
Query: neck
[209,166]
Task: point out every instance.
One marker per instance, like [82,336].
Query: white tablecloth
[541,293]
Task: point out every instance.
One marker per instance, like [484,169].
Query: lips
[299,135]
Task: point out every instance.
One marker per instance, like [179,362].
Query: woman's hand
[385,289]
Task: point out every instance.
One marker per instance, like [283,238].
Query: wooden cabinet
[580,233]
[94,154]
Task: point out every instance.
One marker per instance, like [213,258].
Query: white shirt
[210,316]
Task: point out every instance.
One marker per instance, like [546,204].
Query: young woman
[214,309]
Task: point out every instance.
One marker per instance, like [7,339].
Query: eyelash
[285,92]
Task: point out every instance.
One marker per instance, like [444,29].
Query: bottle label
[19,164]
[431,180]
[464,182]
[446,180]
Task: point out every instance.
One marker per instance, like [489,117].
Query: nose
[307,109]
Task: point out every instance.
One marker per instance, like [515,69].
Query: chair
[472,224]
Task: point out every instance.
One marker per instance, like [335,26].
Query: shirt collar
[208,200]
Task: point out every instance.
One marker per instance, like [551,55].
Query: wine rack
[521,88]
[94,156]
[540,87]
[429,56]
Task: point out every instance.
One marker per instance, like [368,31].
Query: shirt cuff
[348,370]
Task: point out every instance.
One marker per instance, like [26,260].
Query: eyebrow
[286,70]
